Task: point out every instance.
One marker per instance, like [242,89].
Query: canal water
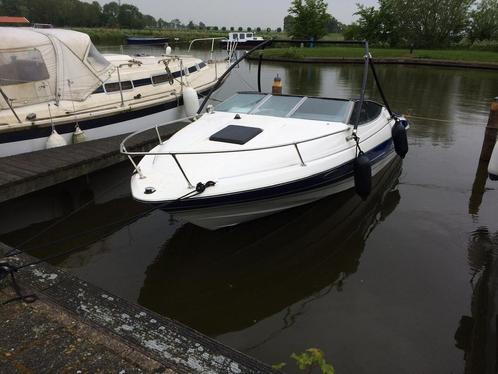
[402,283]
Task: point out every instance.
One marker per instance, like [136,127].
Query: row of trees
[77,13]
[426,23]
[83,14]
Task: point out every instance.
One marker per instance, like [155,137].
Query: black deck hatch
[235,134]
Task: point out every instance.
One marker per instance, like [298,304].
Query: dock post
[491,132]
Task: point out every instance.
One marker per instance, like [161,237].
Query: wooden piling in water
[491,132]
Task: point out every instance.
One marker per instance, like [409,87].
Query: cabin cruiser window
[22,67]
[249,36]
[242,36]
[114,87]
[370,111]
[240,103]
[277,106]
[323,110]
[96,60]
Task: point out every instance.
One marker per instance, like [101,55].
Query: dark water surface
[402,283]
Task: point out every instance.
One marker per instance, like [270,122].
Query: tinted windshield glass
[240,103]
[22,67]
[278,106]
[323,110]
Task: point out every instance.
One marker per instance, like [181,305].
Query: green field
[355,52]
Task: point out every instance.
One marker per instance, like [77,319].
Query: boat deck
[29,172]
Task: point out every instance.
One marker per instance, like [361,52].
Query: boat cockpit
[300,107]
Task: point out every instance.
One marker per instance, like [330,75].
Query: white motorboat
[256,154]
[493,164]
[55,82]
[241,40]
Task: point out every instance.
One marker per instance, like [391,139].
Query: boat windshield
[240,103]
[317,109]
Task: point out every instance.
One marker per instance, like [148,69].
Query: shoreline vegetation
[465,57]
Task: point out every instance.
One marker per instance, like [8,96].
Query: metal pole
[120,87]
[259,71]
[377,82]
[6,98]
[363,87]
[491,132]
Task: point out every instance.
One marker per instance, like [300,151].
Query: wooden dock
[76,327]
[30,172]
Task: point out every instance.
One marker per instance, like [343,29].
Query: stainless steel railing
[174,155]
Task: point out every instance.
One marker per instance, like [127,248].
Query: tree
[279,29]
[232,28]
[215,28]
[191,25]
[224,28]
[268,29]
[484,21]
[241,28]
[423,23]
[258,29]
[288,23]
[249,29]
[310,19]
[333,25]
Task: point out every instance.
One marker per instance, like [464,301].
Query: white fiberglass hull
[116,128]
[230,215]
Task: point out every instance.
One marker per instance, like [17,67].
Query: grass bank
[354,52]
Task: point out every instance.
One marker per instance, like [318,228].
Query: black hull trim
[66,128]
[314,182]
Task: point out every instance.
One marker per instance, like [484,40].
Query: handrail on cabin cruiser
[124,151]
[204,39]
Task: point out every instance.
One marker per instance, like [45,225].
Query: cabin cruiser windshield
[302,107]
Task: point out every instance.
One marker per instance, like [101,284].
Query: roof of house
[7,19]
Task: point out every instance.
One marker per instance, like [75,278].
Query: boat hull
[242,45]
[146,41]
[225,215]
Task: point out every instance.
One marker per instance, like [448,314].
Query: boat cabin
[243,37]
[300,107]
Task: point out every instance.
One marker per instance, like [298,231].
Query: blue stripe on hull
[313,182]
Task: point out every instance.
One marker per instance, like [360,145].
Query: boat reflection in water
[477,334]
[226,280]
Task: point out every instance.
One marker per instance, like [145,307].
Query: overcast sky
[253,13]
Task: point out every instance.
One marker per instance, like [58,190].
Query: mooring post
[491,132]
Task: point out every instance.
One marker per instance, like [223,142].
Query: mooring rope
[9,269]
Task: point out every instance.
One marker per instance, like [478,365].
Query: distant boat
[139,40]
[241,40]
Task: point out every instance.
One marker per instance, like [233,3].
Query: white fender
[78,135]
[493,164]
[190,101]
[55,140]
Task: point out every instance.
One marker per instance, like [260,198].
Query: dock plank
[29,172]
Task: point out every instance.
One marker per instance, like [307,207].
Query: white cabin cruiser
[256,154]
[56,82]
